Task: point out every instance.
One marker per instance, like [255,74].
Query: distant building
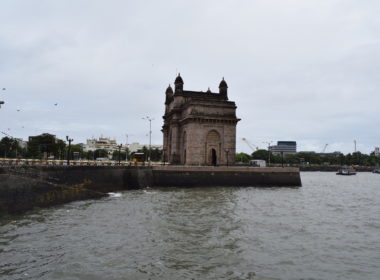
[285,147]
[103,143]
[134,147]
[376,152]
[43,136]
[22,144]
[335,154]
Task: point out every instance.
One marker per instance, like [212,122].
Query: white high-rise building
[103,143]
[377,151]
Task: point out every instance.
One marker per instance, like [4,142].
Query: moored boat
[376,170]
[346,170]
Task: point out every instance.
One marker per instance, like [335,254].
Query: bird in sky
[18,110]
[3,88]
[55,104]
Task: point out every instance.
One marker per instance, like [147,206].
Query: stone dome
[223,84]
[169,89]
[178,80]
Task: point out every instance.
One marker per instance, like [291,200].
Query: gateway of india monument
[199,127]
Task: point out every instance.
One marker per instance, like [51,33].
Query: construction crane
[249,144]
[324,149]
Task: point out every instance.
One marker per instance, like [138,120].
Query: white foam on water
[150,192]
[113,194]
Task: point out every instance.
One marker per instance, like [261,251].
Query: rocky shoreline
[19,194]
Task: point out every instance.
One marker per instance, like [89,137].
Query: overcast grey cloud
[298,70]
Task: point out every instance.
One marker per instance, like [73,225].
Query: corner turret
[223,88]
[178,84]
[169,95]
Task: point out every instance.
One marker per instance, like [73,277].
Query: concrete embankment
[190,176]
[24,187]
[19,194]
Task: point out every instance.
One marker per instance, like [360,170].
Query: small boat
[346,170]
[376,170]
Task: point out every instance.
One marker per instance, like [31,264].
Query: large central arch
[213,146]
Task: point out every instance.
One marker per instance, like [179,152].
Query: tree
[242,158]
[156,154]
[261,154]
[115,155]
[100,153]
[76,149]
[61,149]
[9,147]
[89,155]
[45,145]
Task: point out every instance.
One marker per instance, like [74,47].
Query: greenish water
[328,229]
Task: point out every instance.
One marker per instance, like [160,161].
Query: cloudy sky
[298,70]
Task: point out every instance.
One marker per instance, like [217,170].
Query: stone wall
[22,188]
[187,176]
[19,194]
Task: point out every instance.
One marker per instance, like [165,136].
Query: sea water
[327,229]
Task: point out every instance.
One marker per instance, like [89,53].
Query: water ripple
[328,229]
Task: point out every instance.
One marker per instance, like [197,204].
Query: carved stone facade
[199,127]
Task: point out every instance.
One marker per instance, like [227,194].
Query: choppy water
[328,229]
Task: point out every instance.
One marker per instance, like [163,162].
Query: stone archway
[212,147]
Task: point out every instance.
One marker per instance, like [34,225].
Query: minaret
[169,95]
[178,84]
[223,88]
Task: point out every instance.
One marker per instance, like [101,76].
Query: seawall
[19,194]
[190,176]
[24,187]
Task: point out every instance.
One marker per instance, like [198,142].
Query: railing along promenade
[41,162]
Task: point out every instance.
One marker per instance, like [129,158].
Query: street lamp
[282,159]
[149,119]
[68,151]
[119,146]
[268,143]
[127,146]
